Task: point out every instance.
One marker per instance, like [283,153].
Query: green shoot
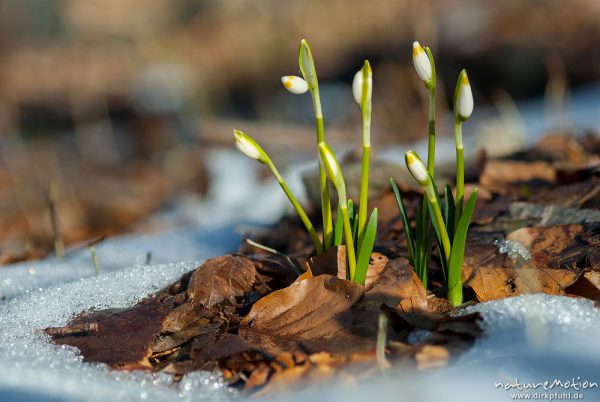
[425,67]
[365,249]
[359,256]
[420,248]
[463,107]
[338,230]
[307,67]
[451,252]
[455,295]
[330,164]
[362,88]
[251,149]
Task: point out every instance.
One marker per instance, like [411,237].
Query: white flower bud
[295,85]
[358,83]
[422,63]
[328,160]
[246,145]
[464,97]
[416,168]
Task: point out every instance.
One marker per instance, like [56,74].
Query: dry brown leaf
[258,377]
[328,263]
[498,174]
[550,240]
[562,256]
[399,287]
[588,285]
[221,281]
[121,338]
[204,350]
[490,283]
[562,147]
[333,262]
[305,309]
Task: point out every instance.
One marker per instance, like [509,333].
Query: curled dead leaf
[333,262]
[305,309]
[548,240]
[399,287]
[498,175]
[490,283]
[222,281]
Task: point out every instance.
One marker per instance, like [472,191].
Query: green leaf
[366,248]
[405,224]
[449,210]
[338,230]
[438,238]
[423,243]
[353,225]
[355,232]
[436,227]
[307,64]
[351,210]
[427,247]
[438,233]
[458,251]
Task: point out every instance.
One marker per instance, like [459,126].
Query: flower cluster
[356,228]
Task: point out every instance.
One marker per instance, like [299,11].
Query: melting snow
[529,338]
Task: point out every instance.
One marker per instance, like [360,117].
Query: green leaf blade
[366,248]
[458,252]
[338,230]
[410,242]
[307,64]
[449,210]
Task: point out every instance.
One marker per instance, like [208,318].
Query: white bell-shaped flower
[416,168]
[358,83]
[464,97]
[422,63]
[332,167]
[294,84]
[246,145]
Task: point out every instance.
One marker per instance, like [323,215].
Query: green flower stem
[325,200]
[307,223]
[349,240]
[365,108]
[431,144]
[431,86]
[460,169]
[437,215]
[364,193]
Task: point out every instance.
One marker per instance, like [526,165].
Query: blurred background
[110,109]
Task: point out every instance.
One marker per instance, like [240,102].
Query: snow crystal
[515,250]
[34,368]
[183,245]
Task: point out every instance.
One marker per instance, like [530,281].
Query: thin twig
[287,259]
[72,330]
[382,341]
[94,256]
[59,245]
